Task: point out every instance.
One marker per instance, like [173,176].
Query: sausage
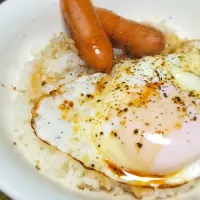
[136,38]
[88,34]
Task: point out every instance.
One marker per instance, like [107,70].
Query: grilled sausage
[136,38]
[88,34]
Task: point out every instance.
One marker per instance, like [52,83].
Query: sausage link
[136,38]
[88,34]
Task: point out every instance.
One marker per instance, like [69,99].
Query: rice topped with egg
[76,122]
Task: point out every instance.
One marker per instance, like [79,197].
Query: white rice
[59,63]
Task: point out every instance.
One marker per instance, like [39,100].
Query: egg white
[83,129]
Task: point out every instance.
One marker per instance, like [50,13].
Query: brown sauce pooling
[136,177]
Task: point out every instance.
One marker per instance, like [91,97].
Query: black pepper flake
[194,118]
[98,100]
[58,137]
[101,133]
[125,109]
[92,165]
[177,100]
[99,145]
[43,83]
[14,143]
[139,145]
[37,167]
[136,131]
[117,88]
[115,134]
[172,77]
[158,75]
[90,96]
[165,95]
[191,94]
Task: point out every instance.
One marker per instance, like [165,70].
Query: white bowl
[28,24]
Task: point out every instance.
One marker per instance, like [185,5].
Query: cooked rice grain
[59,63]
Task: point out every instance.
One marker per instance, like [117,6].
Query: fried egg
[139,125]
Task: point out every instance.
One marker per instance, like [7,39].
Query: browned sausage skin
[136,38]
[88,34]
